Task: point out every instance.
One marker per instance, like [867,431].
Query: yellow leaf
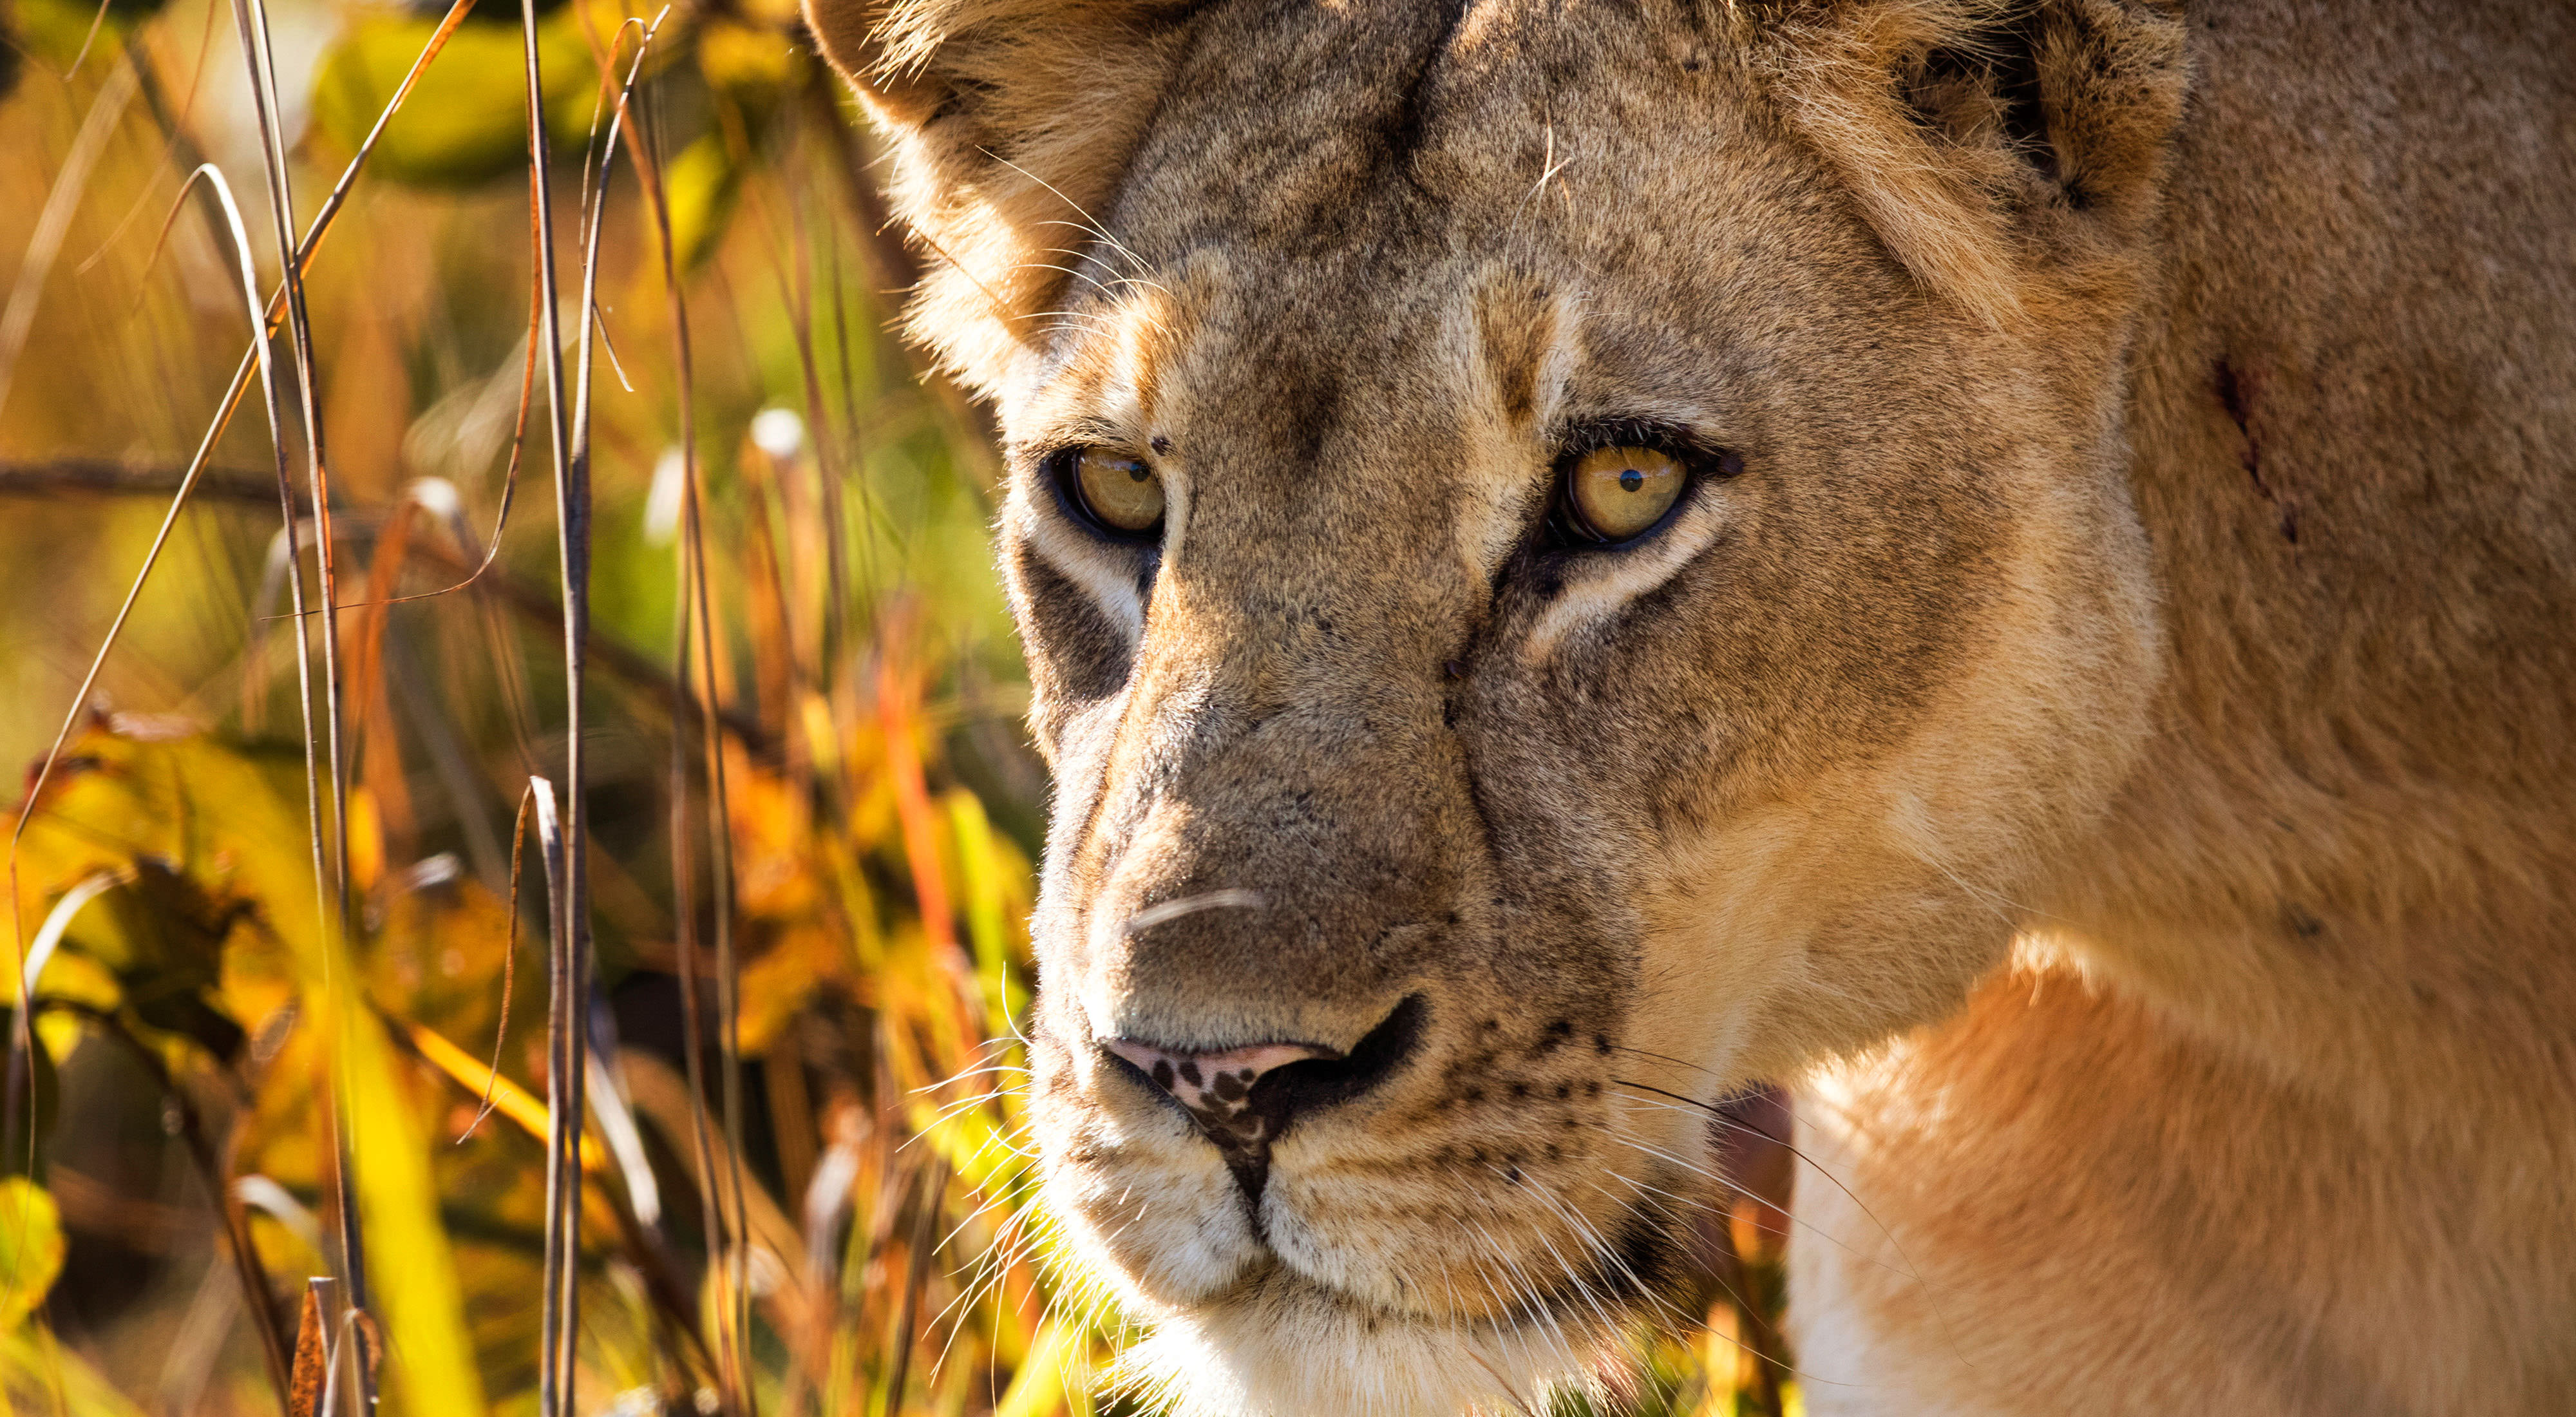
[747,64]
[44,1376]
[31,1248]
[508,1098]
[76,978]
[430,1361]
[971,1142]
[778,983]
[1057,1372]
[987,866]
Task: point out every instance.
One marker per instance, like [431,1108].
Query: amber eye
[1612,494]
[1124,494]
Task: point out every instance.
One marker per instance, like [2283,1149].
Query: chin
[1298,1314]
[1280,1345]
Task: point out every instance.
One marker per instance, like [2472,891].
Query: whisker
[1533,1298]
[1801,1224]
[1590,1239]
[1078,255]
[1096,228]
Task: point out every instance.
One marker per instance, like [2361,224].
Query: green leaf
[702,184]
[465,122]
[53,31]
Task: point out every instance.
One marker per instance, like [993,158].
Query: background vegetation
[312,925]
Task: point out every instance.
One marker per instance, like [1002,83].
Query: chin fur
[1284,1348]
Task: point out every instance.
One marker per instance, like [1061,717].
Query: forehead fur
[1030,131]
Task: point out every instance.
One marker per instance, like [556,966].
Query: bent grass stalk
[251,20]
[566,917]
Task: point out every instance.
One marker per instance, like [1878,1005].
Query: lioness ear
[1009,121]
[1980,134]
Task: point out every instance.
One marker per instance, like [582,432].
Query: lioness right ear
[1978,134]
[1009,122]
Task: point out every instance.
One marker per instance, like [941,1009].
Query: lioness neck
[2350,849]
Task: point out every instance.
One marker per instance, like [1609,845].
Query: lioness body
[2127,529]
[2353,419]
[2275,1116]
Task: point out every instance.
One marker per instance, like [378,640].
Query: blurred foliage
[196,1007]
[31,1249]
[170,1154]
[466,122]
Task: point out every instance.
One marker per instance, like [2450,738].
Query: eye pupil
[1619,493]
[1122,495]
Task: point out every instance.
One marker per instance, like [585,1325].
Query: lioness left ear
[1978,134]
[1008,120]
[2086,92]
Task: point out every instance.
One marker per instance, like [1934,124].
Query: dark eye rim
[1057,467]
[1702,462]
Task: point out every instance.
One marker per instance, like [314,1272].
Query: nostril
[1298,1088]
[1215,1087]
[1212,1085]
[1244,1097]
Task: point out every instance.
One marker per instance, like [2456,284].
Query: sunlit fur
[2112,741]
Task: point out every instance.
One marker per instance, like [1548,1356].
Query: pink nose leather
[1217,1087]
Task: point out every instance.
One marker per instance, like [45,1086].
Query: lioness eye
[1122,493]
[1612,494]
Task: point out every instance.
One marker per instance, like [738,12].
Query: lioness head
[1572,556]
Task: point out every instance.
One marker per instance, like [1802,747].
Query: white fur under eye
[1105,571]
[1599,584]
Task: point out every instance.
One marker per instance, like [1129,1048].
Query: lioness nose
[1218,1087]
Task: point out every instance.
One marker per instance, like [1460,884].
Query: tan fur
[2113,739]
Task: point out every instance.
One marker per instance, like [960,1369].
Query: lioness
[2010,560]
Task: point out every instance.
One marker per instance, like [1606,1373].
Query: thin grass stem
[693,612]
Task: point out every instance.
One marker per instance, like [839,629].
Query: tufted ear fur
[1009,119]
[1984,138]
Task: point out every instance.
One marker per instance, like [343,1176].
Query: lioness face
[1538,619]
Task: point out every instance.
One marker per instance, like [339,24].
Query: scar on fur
[2236,393]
